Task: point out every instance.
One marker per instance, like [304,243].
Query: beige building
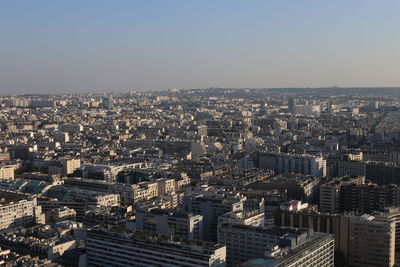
[129,194]
[144,190]
[393,214]
[60,214]
[16,210]
[105,200]
[370,241]
[166,186]
[7,172]
[329,200]
[70,165]
[363,241]
[59,249]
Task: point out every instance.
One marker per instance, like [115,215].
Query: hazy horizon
[103,46]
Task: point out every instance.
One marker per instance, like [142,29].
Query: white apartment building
[16,212]
[7,172]
[245,242]
[282,163]
[106,248]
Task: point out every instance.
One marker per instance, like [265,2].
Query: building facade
[244,243]
[115,249]
[288,163]
[18,211]
[211,207]
[371,241]
[170,223]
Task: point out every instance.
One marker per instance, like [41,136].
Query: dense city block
[201,177]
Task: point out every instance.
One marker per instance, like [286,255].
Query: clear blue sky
[93,45]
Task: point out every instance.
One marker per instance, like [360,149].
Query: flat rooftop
[11,196]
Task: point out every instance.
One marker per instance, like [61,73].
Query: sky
[69,46]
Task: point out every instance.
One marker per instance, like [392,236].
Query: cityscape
[201,177]
[225,133]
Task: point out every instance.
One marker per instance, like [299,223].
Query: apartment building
[357,196]
[371,241]
[17,210]
[211,207]
[245,242]
[383,173]
[254,218]
[282,163]
[352,167]
[169,223]
[330,193]
[316,252]
[105,248]
[7,172]
[70,165]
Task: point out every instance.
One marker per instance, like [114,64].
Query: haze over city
[199,133]
[101,46]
